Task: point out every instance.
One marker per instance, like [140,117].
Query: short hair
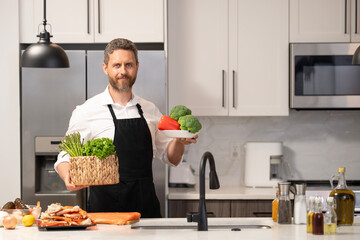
[119,43]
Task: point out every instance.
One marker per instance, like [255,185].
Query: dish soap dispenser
[344,199]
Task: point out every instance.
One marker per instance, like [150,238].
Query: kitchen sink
[214,224]
[236,227]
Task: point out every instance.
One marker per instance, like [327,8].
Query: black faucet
[201,217]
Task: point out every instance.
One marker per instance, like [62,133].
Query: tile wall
[315,143]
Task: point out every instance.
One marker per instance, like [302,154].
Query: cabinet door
[251,208]
[258,58]
[71,21]
[198,55]
[319,21]
[136,20]
[214,208]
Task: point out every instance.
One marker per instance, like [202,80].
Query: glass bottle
[310,214]
[330,219]
[318,218]
[284,208]
[300,204]
[344,199]
[275,204]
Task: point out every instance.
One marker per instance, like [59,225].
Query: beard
[122,85]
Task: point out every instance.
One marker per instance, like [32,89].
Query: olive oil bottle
[310,214]
[344,200]
[330,219]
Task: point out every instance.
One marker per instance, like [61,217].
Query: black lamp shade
[44,55]
[356,57]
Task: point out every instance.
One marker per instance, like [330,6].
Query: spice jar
[284,208]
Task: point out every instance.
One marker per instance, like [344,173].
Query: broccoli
[190,123]
[179,111]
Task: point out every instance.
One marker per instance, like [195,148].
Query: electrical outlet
[235,149]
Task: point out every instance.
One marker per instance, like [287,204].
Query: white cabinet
[229,57]
[88,21]
[324,21]
[198,55]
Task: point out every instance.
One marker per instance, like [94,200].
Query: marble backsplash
[315,143]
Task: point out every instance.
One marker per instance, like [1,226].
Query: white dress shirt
[93,120]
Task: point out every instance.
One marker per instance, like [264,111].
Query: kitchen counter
[226,193]
[109,232]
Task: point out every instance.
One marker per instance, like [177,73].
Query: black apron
[135,192]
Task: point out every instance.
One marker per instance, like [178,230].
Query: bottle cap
[341,169]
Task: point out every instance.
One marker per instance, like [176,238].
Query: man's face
[121,69]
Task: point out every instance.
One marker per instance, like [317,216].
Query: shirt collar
[107,99]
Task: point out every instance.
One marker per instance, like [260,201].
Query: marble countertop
[225,193]
[110,232]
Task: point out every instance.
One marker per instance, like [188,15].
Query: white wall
[9,102]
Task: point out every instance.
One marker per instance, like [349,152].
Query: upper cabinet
[229,58]
[324,21]
[89,21]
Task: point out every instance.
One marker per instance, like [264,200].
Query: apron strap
[140,110]
[112,112]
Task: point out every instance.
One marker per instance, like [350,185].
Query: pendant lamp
[44,54]
[356,57]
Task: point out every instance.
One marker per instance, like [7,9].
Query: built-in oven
[322,76]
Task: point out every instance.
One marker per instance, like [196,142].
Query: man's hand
[64,172]
[187,141]
[176,148]
[70,186]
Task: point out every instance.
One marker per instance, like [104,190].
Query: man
[131,122]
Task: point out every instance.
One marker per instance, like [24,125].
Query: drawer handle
[262,214]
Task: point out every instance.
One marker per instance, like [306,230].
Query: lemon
[28,220]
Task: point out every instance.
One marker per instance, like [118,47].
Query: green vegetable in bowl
[190,123]
[179,111]
[100,147]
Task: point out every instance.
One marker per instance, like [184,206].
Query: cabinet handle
[262,214]
[99,17]
[223,88]
[88,17]
[356,16]
[345,17]
[234,90]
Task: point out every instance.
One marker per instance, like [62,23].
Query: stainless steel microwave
[322,76]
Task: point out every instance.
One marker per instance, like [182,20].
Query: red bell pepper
[167,123]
